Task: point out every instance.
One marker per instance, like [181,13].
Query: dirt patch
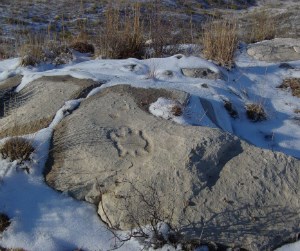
[293,84]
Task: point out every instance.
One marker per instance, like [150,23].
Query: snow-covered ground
[42,217]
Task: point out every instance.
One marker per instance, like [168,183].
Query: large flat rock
[276,50]
[113,153]
[34,107]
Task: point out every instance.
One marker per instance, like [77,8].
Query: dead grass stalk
[220,41]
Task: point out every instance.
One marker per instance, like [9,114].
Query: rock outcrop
[113,153]
[34,107]
[276,50]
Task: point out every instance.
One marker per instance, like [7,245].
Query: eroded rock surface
[112,152]
[6,87]
[34,107]
[276,50]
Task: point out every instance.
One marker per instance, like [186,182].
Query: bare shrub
[262,27]
[149,219]
[17,148]
[4,222]
[256,112]
[220,41]
[122,36]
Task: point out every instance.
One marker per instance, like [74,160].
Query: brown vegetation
[256,112]
[177,110]
[122,36]
[293,84]
[262,27]
[17,148]
[39,48]
[220,41]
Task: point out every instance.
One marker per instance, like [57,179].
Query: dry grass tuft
[5,50]
[220,41]
[17,149]
[256,112]
[177,110]
[31,53]
[263,27]
[122,36]
[4,222]
[293,84]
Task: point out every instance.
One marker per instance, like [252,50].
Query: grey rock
[201,73]
[34,107]
[276,50]
[112,152]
